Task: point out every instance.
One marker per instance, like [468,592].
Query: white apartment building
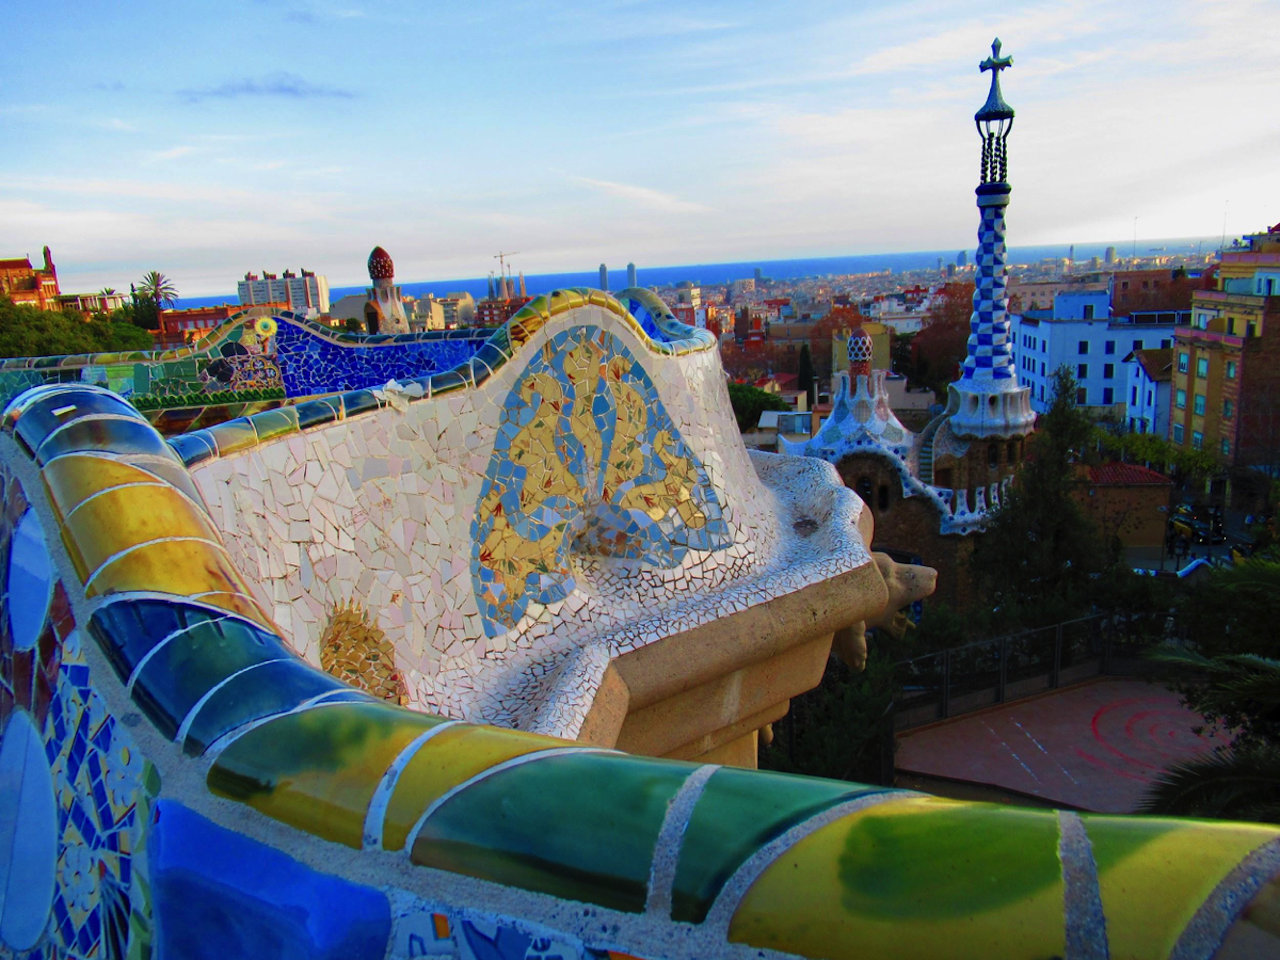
[1147,394]
[1080,334]
[303,292]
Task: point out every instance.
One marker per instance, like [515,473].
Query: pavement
[1095,746]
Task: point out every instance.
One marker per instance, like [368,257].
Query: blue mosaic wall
[312,364]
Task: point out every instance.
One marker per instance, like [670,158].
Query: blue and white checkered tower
[987,400]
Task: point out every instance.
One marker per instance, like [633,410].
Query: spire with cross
[994,120]
[987,401]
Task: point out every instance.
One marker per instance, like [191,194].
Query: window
[1108,371]
[1228,409]
[1197,440]
[1081,396]
[1137,344]
[1226,447]
[1109,347]
[1183,361]
[1180,399]
[1231,369]
[1165,344]
[1088,311]
[1082,371]
[1198,405]
[1044,345]
[1082,347]
[1202,367]
[1042,368]
[1134,395]
[1177,433]
[1108,396]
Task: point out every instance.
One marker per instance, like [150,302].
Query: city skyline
[188,142]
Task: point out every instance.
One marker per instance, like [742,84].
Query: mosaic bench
[177,780]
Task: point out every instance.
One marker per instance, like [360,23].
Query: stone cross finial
[995,62]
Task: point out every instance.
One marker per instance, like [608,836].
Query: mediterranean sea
[797,269]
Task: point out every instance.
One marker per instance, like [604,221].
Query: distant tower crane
[503,272]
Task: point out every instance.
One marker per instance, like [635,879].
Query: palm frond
[1232,783]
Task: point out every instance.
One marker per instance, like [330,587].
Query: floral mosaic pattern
[101,785]
[586,461]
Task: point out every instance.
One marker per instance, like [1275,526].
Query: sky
[205,140]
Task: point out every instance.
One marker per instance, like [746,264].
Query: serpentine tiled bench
[179,781]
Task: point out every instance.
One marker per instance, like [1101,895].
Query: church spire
[987,400]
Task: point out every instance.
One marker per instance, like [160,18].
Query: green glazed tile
[233,435]
[739,812]
[261,692]
[274,423]
[580,826]
[317,770]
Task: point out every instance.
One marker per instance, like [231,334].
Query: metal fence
[951,682]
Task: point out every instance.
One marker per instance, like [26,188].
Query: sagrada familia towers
[930,490]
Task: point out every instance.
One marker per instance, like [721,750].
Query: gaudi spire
[987,400]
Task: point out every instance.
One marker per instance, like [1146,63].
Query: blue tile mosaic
[311,363]
[219,894]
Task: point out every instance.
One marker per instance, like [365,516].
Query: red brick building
[495,312]
[181,327]
[24,284]
[1127,500]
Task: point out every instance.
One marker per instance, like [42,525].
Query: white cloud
[645,197]
[172,153]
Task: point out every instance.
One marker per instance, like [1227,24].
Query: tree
[749,402]
[1041,552]
[842,728]
[938,350]
[26,331]
[804,374]
[158,288]
[1239,693]
[150,296]
[748,361]
[1236,609]
[840,319]
[1233,783]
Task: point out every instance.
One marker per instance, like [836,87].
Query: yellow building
[1225,391]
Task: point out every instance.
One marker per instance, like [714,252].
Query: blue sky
[204,140]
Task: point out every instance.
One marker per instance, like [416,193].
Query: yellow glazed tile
[565,300]
[72,478]
[182,567]
[917,877]
[127,516]
[451,757]
[1145,916]
[318,770]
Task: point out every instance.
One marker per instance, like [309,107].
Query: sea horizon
[793,269]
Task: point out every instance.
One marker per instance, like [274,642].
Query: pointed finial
[995,108]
